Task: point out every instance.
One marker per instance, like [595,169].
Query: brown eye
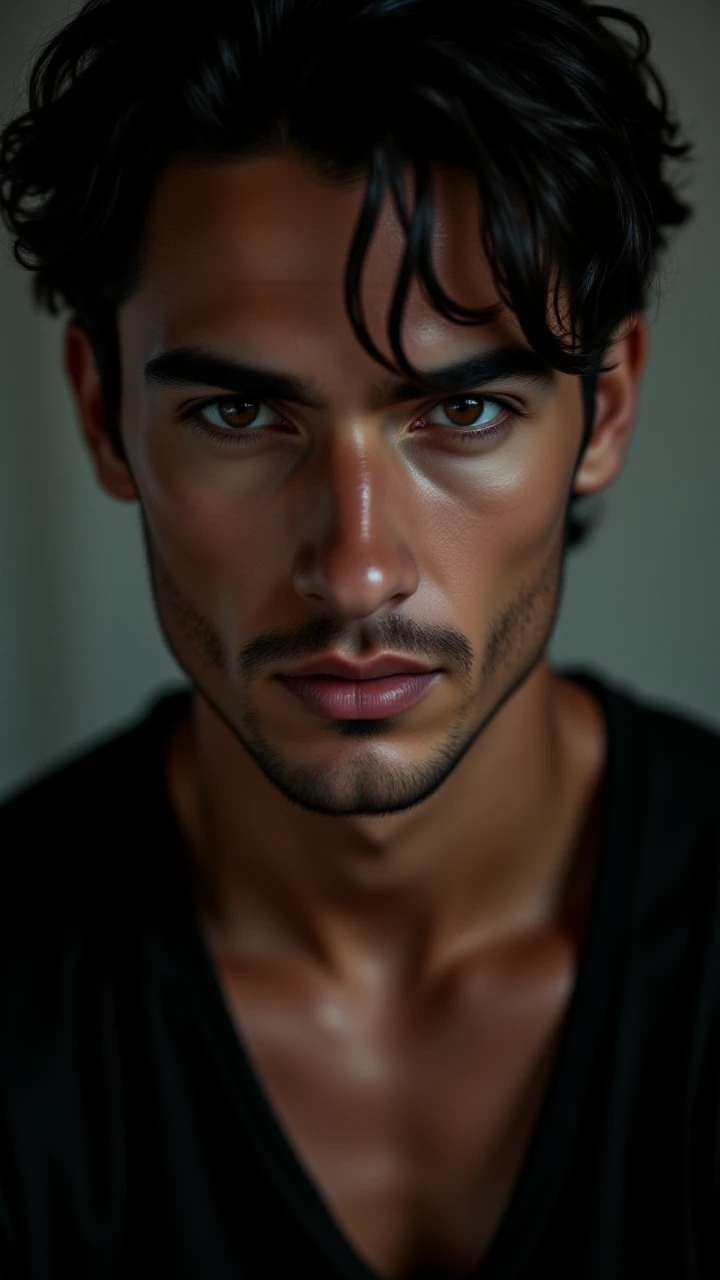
[477,416]
[237,413]
[234,416]
[463,411]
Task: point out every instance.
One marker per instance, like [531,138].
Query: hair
[563,123]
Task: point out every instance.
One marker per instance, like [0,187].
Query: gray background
[80,650]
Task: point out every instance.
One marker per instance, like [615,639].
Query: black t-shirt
[136,1137]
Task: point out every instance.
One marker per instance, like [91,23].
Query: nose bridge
[355,554]
[359,481]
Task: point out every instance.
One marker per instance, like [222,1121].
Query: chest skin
[413,1117]
[412,1125]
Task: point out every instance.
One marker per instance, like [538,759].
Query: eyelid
[479,393]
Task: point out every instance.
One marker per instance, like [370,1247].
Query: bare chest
[414,1141]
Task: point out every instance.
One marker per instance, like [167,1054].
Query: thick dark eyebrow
[186,366]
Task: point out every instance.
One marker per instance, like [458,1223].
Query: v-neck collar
[548,1152]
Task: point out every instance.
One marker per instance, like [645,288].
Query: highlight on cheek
[235,421]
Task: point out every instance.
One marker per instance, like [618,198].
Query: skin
[346,872]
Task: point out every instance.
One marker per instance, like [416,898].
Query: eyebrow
[185,366]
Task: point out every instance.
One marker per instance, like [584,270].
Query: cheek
[501,515]
[208,527]
[526,515]
[213,540]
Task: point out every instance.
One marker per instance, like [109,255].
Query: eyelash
[190,414]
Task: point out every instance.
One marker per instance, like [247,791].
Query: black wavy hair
[563,122]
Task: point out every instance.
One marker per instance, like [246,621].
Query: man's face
[280,531]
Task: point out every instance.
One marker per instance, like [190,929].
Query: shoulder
[662,805]
[681,750]
[669,815]
[62,823]
[668,741]
[688,729]
[75,874]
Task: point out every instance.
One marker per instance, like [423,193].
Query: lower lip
[359,699]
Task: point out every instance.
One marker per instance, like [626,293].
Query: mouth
[339,698]
[388,664]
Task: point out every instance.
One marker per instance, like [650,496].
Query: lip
[335,698]
[387,664]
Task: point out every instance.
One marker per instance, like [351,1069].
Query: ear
[615,408]
[84,378]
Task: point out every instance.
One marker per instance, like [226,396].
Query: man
[386,950]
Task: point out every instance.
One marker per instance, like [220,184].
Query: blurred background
[80,650]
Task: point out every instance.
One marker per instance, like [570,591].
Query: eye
[229,415]
[472,414]
[231,420]
[237,420]
[472,419]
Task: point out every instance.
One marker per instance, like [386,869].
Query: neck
[395,899]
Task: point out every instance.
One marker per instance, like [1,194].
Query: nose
[355,555]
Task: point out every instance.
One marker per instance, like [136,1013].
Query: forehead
[271,235]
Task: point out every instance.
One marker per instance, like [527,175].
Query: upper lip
[385,665]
